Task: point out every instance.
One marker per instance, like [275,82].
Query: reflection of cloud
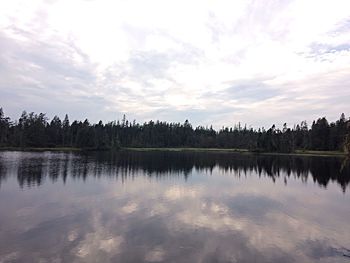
[155,255]
[93,243]
[129,208]
[72,235]
[98,243]
[221,217]
[180,192]
[111,244]
[11,257]
[158,209]
[218,208]
[253,206]
[211,215]
[318,249]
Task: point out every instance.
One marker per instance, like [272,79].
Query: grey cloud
[195,116]
[55,56]
[144,66]
[342,27]
[245,90]
[332,100]
[250,90]
[141,68]
[150,64]
[318,49]
[54,77]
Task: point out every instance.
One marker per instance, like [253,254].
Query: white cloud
[162,59]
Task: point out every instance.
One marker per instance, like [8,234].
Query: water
[173,207]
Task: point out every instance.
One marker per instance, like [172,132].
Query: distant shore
[178,149]
[243,151]
[41,149]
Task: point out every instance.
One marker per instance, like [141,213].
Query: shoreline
[180,149]
[41,149]
[242,151]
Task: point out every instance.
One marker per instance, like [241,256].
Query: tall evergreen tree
[35,130]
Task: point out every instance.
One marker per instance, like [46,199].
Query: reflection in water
[32,169]
[172,207]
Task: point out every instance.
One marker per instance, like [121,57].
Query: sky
[211,62]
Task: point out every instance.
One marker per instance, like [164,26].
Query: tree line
[36,130]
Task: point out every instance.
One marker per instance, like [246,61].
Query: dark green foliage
[34,130]
[347,139]
[347,144]
[320,132]
[4,128]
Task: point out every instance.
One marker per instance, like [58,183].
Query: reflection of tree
[65,168]
[31,171]
[3,172]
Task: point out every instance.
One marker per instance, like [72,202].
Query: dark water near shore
[173,207]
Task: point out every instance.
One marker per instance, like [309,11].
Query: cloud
[242,91]
[220,63]
[41,76]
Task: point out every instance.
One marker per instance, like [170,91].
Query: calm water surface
[173,207]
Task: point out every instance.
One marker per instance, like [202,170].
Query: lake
[173,207]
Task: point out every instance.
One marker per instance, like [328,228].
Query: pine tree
[347,140]
[66,138]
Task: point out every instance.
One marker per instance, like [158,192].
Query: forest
[36,130]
